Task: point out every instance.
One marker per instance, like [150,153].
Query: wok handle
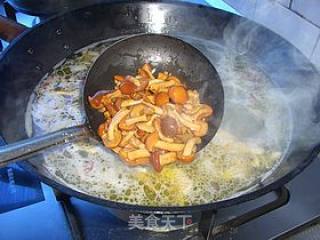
[9,29]
[26,148]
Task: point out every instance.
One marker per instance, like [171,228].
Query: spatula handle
[26,148]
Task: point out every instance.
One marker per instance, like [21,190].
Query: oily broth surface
[229,163]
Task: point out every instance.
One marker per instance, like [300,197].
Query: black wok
[37,50]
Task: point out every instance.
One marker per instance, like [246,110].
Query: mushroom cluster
[151,120]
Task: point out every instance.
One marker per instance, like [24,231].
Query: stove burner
[203,225]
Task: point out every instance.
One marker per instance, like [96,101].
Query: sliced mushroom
[124,126]
[167,158]
[157,110]
[129,147]
[115,121]
[187,117]
[203,129]
[143,83]
[161,85]
[151,141]
[193,97]
[102,129]
[123,154]
[147,126]
[186,159]
[103,109]
[106,114]
[190,109]
[136,110]
[130,102]
[137,162]
[111,109]
[189,146]
[163,75]
[185,136]
[178,108]
[117,149]
[136,96]
[175,79]
[164,90]
[172,147]
[148,69]
[112,143]
[205,111]
[126,138]
[117,104]
[149,99]
[136,143]
[142,74]
[140,134]
[155,81]
[140,153]
[185,121]
[136,81]
[135,120]
[148,110]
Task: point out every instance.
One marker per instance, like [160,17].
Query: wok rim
[26,165]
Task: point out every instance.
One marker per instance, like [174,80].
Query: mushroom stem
[136,110]
[172,147]
[126,138]
[147,126]
[130,102]
[203,129]
[205,111]
[186,122]
[157,110]
[140,153]
[115,121]
[167,158]
[131,121]
[161,85]
[189,146]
